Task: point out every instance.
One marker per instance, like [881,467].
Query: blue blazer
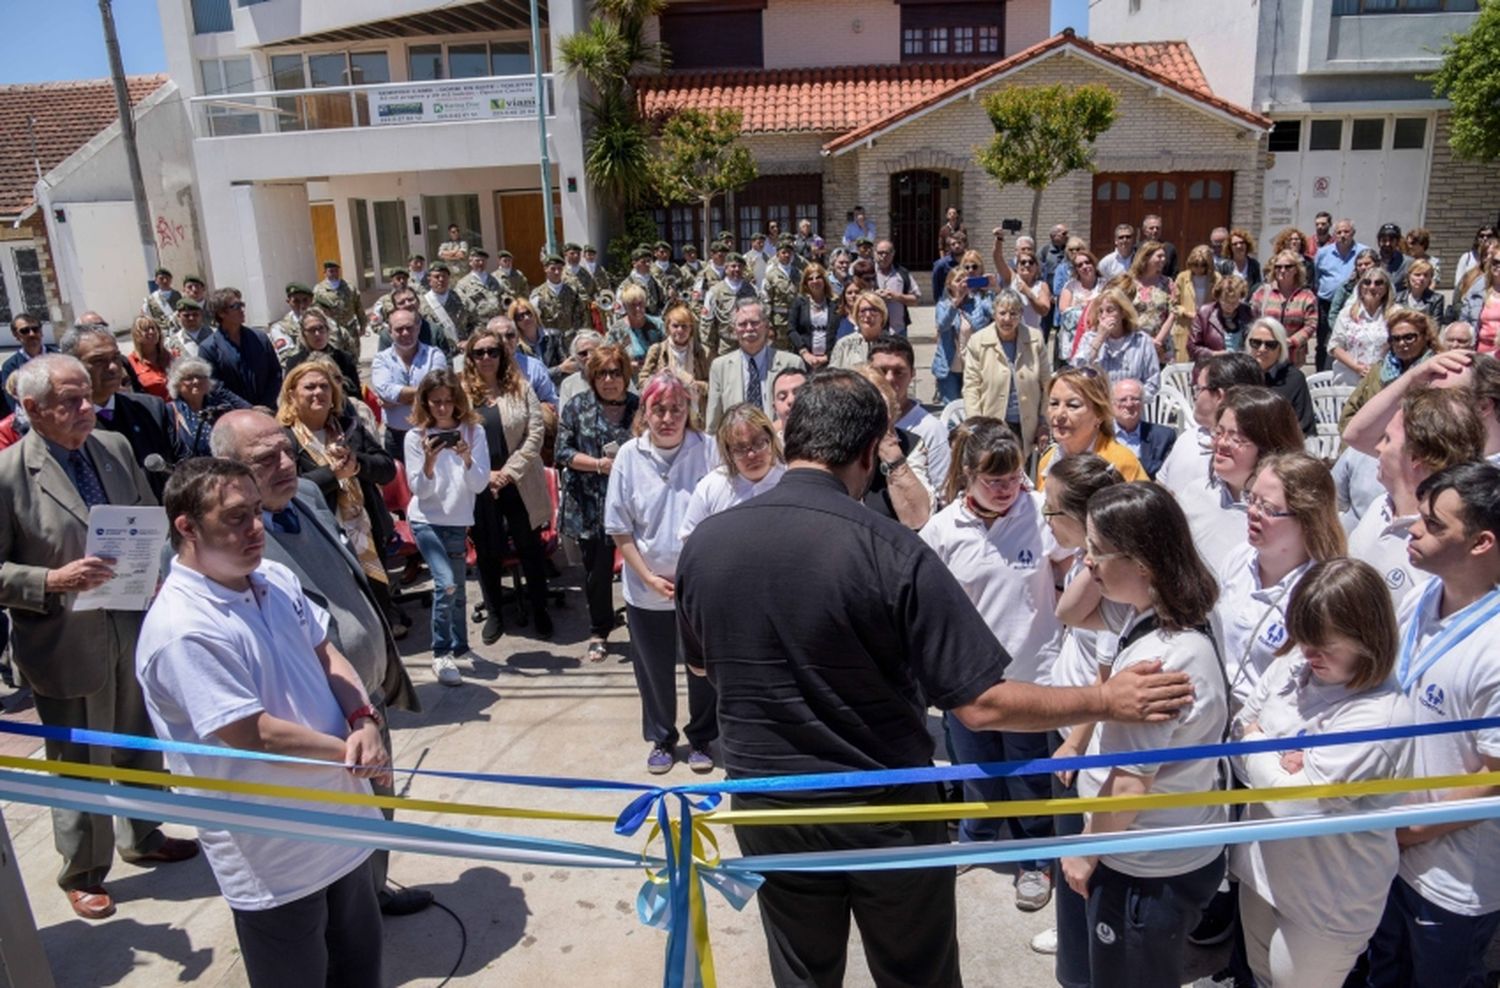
[1156,443]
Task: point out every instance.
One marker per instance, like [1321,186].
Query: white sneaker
[1033,890]
[1045,942]
[446,670]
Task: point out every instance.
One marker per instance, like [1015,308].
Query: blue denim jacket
[980,309]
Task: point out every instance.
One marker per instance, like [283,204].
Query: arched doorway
[917,205]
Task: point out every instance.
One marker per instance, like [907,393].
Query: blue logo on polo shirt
[1432,698]
[1274,635]
[1395,578]
[1026,557]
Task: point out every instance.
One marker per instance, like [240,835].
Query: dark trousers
[1420,945]
[87,841]
[653,638]
[380,861]
[494,518]
[1139,926]
[974,747]
[395,443]
[907,919]
[1071,909]
[331,937]
[1325,329]
[598,584]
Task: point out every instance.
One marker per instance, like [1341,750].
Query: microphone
[155,464]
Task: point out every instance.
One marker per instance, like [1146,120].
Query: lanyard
[1411,665]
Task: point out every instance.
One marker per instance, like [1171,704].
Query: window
[748,222]
[468,61]
[787,199]
[29,275]
[228,75]
[714,34]
[1206,189]
[212,16]
[1286,135]
[5,313]
[950,29]
[424,63]
[440,211]
[1347,8]
[1367,135]
[510,58]
[1325,135]
[1410,135]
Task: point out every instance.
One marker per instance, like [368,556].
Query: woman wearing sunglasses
[1267,342]
[1073,300]
[1411,338]
[1358,341]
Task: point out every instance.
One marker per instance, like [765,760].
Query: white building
[1356,132]
[360,129]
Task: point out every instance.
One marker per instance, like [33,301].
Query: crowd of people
[1048,563]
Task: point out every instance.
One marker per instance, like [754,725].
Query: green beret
[506,253]
[864,242]
[788,242]
[297,288]
[552,259]
[718,247]
[331,264]
[570,247]
[690,248]
[590,249]
[439,268]
[641,253]
[193,279]
[186,303]
[396,272]
[476,252]
[757,235]
[662,245]
[735,258]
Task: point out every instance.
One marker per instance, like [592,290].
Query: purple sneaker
[700,761]
[660,761]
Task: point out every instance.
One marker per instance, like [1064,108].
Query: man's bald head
[258,441]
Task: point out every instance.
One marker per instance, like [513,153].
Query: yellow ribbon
[1059,807]
[710,858]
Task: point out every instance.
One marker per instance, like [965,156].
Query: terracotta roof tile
[67,116]
[1174,59]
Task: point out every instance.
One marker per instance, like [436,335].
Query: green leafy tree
[607,54]
[640,228]
[700,157]
[1042,133]
[1469,78]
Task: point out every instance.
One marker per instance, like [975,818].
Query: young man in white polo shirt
[895,359]
[233,654]
[1444,907]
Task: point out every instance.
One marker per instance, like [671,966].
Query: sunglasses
[485,352]
[605,373]
[237,305]
[1372,283]
[1263,344]
[26,330]
[1403,339]
[1283,267]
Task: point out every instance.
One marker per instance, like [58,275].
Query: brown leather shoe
[92,902]
[172,850]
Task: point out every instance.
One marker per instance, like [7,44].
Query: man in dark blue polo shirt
[828,631]
[243,359]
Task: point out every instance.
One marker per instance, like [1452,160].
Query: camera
[1011,226]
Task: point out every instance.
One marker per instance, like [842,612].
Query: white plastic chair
[1167,407]
[1328,403]
[952,414]
[1325,446]
[1320,381]
[1179,376]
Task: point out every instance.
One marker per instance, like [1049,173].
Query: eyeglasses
[605,373]
[1403,339]
[1237,440]
[751,448]
[1007,482]
[235,305]
[881,253]
[1371,283]
[26,330]
[1052,514]
[485,352]
[1265,507]
[1263,344]
[671,411]
[1122,238]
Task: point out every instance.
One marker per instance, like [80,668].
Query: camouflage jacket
[515,283]
[562,310]
[780,292]
[484,296]
[716,321]
[583,283]
[342,305]
[449,321]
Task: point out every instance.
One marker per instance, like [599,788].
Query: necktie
[286,521]
[107,414]
[86,479]
[752,384]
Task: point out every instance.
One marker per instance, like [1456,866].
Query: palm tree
[607,54]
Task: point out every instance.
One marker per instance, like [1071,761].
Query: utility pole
[541,126]
[127,134]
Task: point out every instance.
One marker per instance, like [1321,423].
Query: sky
[36,51]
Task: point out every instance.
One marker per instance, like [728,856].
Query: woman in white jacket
[1308,906]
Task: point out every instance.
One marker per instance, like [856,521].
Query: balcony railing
[512,97]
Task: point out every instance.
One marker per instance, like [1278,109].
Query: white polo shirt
[1336,885]
[649,492]
[1006,570]
[1380,539]
[934,436]
[1456,871]
[1219,523]
[1189,461]
[1082,651]
[1249,620]
[1201,723]
[718,491]
[209,656]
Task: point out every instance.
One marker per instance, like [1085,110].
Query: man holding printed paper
[80,663]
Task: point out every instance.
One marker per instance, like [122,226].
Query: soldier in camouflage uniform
[161,304]
[338,298]
[691,268]
[602,276]
[780,290]
[399,279]
[667,274]
[187,329]
[716,322]
[575,274]
[510,276]
[286,332]
[481,292]
[558,304]
[713,271]
[640,276]
[444,311]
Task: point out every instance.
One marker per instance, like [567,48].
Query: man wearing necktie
[80,664]
[745,374]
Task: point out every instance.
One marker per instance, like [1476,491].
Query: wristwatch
[362,713]
[889,468]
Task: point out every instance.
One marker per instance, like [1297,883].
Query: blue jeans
[978,747]
[950,387]
[443,548]
[1420,945]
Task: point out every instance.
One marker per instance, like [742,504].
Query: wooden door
[325,229]
[916,217]
[1190,204]
[523,229]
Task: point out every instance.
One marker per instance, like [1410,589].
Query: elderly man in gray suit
[746,374]
[80,664]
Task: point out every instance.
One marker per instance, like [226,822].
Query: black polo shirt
[827,631]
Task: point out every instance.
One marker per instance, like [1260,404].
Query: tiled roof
[1194,90]
[1173,59]
[787,100]
[65,116]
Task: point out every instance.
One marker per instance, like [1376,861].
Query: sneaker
[660,761]
[1217,923]
[446,670]
[700,761]
[1033,890]
[1045,942]
[1224,979]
